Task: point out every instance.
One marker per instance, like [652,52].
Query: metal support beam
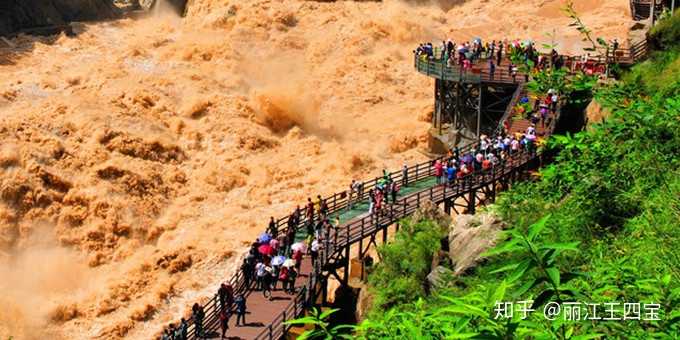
[479,110]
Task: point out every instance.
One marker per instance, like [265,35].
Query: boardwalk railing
[361,228]
[478,73]
[336,203]
[353,231]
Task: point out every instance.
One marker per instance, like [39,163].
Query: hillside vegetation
[601,225]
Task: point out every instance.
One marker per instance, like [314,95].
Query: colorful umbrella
[289,263]
[300,246]
[278,260]
[264,238]
[265,249]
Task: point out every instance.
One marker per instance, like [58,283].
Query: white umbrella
[300,246]
[278,260]
[288,263]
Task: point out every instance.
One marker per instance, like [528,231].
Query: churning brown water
[139,158]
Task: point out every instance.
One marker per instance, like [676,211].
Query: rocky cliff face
[16,15]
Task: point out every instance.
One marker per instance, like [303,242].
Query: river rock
[470,236]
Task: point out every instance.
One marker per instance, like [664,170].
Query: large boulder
[595,113]
[16,15]
[439,277]
[430,211]
[470,236]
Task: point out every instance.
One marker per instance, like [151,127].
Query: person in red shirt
[283,277]
[297,256]
[224,321]
[486,164]
[438,171]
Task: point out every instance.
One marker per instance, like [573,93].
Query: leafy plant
[586,33]
[322,328]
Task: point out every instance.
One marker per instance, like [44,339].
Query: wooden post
[345,275]
[471,202]
[324,291]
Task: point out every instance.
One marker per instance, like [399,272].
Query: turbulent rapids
[138,157]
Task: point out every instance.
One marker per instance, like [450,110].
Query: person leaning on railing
[198,314]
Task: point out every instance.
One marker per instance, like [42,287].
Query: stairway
[518,123]
[640,9]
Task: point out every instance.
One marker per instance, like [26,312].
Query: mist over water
[139,158]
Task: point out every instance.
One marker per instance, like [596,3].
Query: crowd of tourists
[497,53]
[276,256]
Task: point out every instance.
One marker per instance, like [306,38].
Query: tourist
[486,163]
[247,269]
[360,191]
[292,276]
[350,194]
[260,272]
[273,230]
[492,69]
[226,296]
[198,315]
[394,189]
[451,173]
[297,256]
[323,209]
[182,331]
[166,335]
[404,175]
[267,280]
[531,130]
[314,250]
[317,205]
[276,271]
[443,51]
[499,54]
[224,322]
[283,277]
[438,171]
[371,201]
[615,47]
[309,210]
[275,243]
[378,201]
[240,302]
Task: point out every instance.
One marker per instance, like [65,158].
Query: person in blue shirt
[451,173]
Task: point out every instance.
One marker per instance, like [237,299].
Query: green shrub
[666,33]
[404,264]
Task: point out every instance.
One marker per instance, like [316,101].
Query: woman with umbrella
[292,275]
[266,250]
[267,282]
[277,261]
[283,277]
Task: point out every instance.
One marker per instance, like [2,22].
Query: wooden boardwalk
[358,228]
[265,318]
